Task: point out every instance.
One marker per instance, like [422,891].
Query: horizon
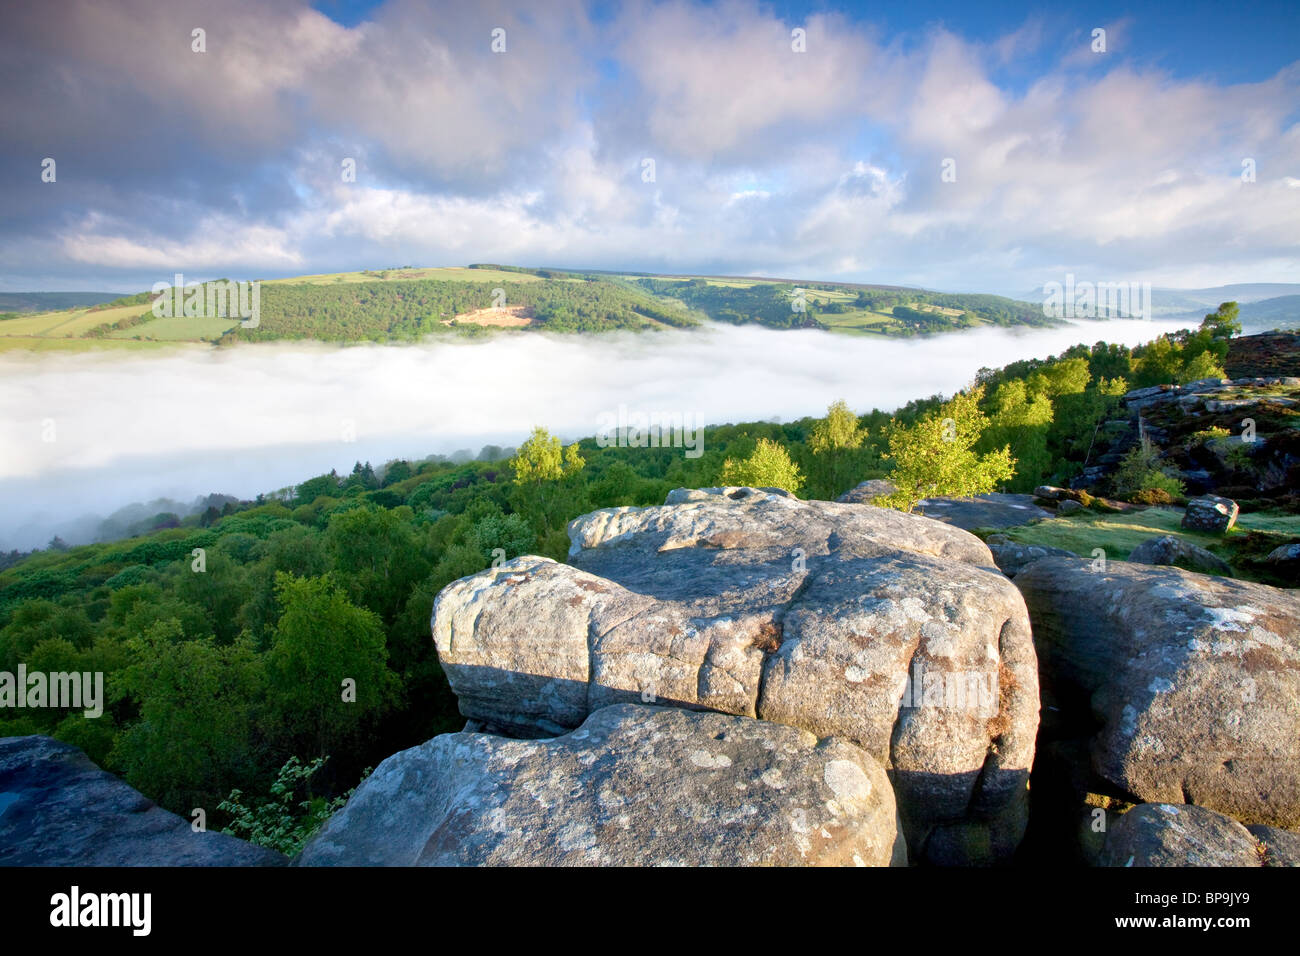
[752,276]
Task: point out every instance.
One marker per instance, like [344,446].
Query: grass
[39,323]
[178,329]
[84,322]
[1119,534]
[725,283]
[16,343]
[67,324]
[857,321]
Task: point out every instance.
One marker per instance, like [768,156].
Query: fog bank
[90,432]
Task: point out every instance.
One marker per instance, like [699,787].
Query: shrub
[1139,471]
[278,823]
[768,467]
[1152,496]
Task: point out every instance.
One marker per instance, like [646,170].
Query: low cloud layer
[88,433]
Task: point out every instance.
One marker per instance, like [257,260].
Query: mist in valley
[82,435]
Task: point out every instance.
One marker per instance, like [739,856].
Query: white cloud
[822,163]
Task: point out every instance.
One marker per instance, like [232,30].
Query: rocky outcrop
[1286,556]
[866,492]
[889,630]
[1162,834]
[1192,679]
[1230,437]
[996,510]
[1210,513]
[58,809]
[1281,847]
[1012,556]
[635,785]
[1175,552]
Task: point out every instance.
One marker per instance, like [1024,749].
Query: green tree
[1202,366]
[768,467]
[325,645]
[936,456]
[377,556]
[1064,377]
[198,704]
[1020,422]
[1160,363]
[1224,322]
[542,469]
[836,444]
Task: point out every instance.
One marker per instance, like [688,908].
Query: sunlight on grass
[1119,534]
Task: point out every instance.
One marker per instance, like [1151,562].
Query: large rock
[1051,493]
[1281,847]
[1161,834]
[996,510]
[1285,559]
[58,809]
[1210,513]
[890,630]
[1011,557]
[1194,680]
[867,491]
[1175,552]
[635,785]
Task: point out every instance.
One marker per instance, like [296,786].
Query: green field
[66,324]
[178,329]
[18,343]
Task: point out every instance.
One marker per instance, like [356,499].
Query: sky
[941,145]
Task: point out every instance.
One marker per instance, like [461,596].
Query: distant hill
[1280,312]
[1177,303]
[51,301]
[408,304]
[1264,315]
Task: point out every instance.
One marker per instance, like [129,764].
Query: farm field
[178,329]
[67,323]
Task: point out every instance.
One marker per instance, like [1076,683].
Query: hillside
[408,304]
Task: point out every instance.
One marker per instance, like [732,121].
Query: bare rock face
[1162,834]
[1194,680]
[1210,513]
[864,492]
[635,785]
[1012,557]
[1172,551]
[58,809]
[1281,847]
[994,510]
[892,631]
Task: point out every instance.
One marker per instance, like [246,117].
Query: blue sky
[935,144]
